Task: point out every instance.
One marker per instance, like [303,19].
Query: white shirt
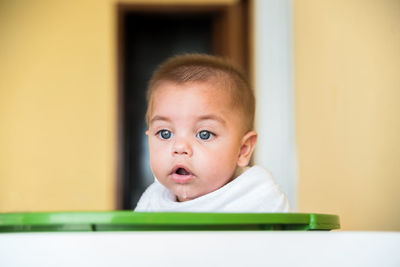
[253,191]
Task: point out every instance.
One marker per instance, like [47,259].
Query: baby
[200,116]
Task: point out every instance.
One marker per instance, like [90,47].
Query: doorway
[147,35]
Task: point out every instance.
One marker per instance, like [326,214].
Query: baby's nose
[182,147]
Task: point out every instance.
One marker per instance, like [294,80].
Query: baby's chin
[183,199]
[184,195]
[188,192]
[194,189]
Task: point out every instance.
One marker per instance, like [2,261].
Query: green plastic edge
[324,222]
[142,221]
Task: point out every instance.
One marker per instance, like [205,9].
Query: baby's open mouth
[182,175]
[182,171]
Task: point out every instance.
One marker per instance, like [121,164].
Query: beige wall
[347,66]
[58,113]
[57,106]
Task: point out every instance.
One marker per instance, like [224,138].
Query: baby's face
[195,137]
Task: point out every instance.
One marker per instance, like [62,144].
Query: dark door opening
[147,36]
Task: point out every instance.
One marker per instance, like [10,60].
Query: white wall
[273,58]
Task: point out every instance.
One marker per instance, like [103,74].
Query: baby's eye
[205,135]
[164,134]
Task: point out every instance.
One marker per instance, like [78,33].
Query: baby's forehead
[220,83]
[217,90]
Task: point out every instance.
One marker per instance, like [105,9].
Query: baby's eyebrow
[212,117]
[200,118]
[159,118]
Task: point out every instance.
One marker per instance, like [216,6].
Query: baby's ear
[249,141]
[147,132]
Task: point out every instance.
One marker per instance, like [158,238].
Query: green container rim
[162,221]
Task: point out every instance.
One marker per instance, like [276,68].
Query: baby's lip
[181,174]
[181,169]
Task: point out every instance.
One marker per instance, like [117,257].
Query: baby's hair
[206,68]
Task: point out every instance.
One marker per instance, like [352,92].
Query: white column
[274,88]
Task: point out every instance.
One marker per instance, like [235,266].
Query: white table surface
[258,248]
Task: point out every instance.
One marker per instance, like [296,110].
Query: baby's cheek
[157,163]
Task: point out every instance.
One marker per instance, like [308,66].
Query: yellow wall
[347,66]
[58,103]
[57,106]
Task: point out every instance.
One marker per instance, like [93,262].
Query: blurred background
[326,73]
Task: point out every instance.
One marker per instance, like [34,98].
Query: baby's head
[200,116]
